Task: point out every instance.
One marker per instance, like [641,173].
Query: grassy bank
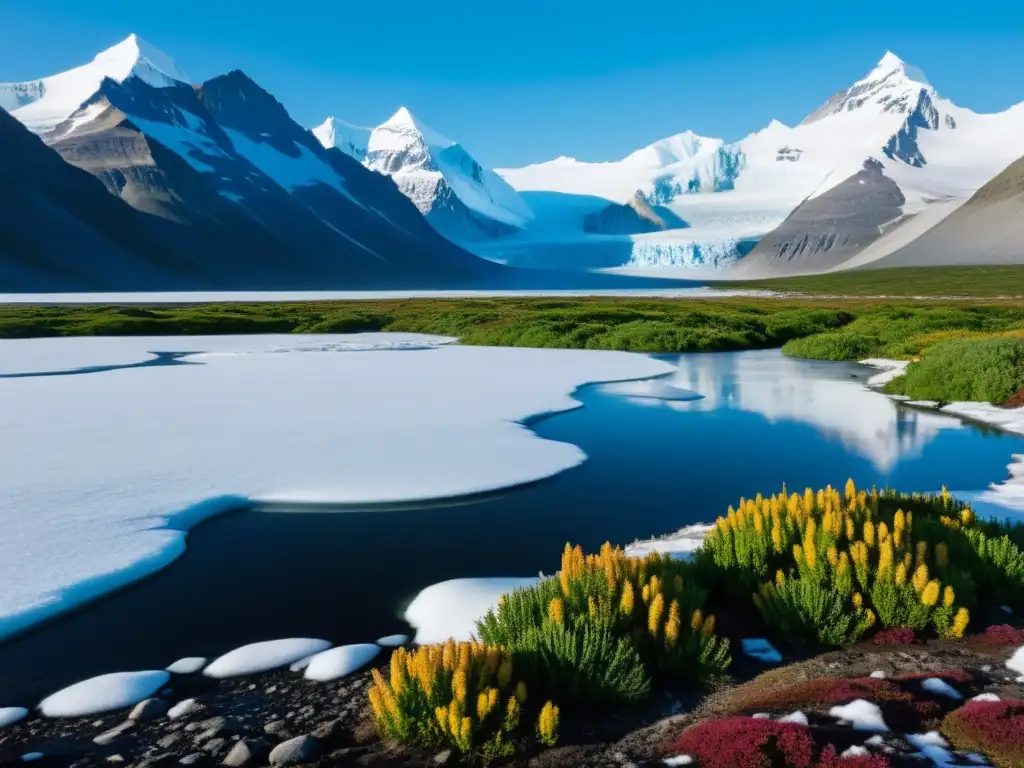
[901,282]
[841,330]
[844,329]
[986,369]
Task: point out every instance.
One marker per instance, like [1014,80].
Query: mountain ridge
[460,198]
[221,174]
[733,194]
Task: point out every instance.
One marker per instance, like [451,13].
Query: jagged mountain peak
[121,60]
[44,103]
[350,139]
[460,197]
[891,65]
[891,87]
[405,124]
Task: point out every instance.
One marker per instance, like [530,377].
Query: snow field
[275,418]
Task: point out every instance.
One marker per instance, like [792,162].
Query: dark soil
[267,709]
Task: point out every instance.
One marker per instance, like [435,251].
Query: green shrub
[834,345]
[803,610]
[987,370]
[597,632]
[580,663]
[827,568]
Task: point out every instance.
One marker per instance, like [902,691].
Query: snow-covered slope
[987,229]
[459,197]
[732,194]
[42,104]
[350,139]
[239,194]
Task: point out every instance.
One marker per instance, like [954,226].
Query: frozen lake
[313,567]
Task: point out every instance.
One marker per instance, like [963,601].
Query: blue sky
[520,82]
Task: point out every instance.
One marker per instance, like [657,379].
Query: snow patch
[933,747]
[986,697]
[941,687]
[117,690]
[452,608]
[797,717]
[862,714]
[1016,662]
[260,657]
[290,172]
[680,545]
[678,760]
[338,662]
[187,666]
[891,369]
[392,641]
[11,715]
[1008,419]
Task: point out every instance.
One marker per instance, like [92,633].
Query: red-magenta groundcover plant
[821,692]
[747,742]
[993,728]
[905,705]
[949,675]
[1000,634]
[895,636]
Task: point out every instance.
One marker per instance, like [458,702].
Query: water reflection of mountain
[831,397]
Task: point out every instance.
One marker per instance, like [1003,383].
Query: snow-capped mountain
[41,104]
[238,194]
[892,122]
[460,198]
[350,139]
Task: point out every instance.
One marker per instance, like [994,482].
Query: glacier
[733,193]
[114,467]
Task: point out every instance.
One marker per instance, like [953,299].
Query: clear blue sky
[520,82]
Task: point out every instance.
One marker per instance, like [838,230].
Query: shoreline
[264,710]
[161,539]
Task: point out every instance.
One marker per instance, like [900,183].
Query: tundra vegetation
[978,340]
[810,571]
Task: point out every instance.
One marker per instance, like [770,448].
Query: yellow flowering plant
[828,567]
[597,632]
[455,695]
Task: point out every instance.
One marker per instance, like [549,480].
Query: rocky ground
[279,718]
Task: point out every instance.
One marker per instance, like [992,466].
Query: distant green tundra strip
[833,329]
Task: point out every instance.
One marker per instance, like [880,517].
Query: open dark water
[345,574]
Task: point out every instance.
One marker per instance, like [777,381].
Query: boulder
[301,749]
